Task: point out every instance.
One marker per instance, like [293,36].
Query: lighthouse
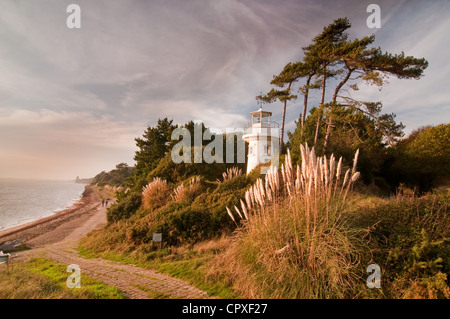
[263,138]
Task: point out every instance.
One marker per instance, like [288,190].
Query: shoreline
[32,223]
[54,227]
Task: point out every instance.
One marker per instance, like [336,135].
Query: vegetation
[421,161]
[42,279]
[311,229]
[339,124]
[408,237]
[115,178]
[295,242]
[310,239]
[332,56]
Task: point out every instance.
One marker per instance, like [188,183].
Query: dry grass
[156,193]
[230,174]
[318,181]
[294,243]
[188,192]
[214,245]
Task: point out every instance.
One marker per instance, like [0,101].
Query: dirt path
[59,244]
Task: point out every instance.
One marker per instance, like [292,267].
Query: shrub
[409,240]
[187,225]
[423,159]
[124,208]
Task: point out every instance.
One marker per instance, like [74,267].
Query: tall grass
[294,242]
[156,193]
[230,173]
[188,192]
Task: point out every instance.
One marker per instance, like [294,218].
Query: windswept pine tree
[333,56]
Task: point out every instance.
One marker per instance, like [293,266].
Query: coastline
[55,227]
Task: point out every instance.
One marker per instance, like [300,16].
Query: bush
[115,177]
[124,208]
[409,240]
[187,225]
[174,173]
[423,159]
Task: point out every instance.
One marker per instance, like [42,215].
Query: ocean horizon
[27,200]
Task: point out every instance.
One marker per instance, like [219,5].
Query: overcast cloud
[72,101]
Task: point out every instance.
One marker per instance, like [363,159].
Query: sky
[72,101]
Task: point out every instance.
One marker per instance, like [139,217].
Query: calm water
[23,201]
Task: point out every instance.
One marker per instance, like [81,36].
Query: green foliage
[115,177]
[174,173]
[189,224]
[343,123]
[154,145]
[187,221]
[422,160]
[353,130]
[203,218]
[125,207]
[200,212]
[409,239]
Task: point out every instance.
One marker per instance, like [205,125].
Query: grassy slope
[408,237]
[41,278]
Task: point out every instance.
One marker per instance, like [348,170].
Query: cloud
[63,142]
[425,101]
[87,93]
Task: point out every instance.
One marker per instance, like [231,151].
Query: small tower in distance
[263,138]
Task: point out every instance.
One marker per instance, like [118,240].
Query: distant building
[263,138]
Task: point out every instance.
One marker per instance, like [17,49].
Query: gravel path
[59,244]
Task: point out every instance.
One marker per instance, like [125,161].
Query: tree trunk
[283,117]
[333,104]
[305,100]
[322,100]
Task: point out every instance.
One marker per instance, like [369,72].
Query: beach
[56,227]
[56,238]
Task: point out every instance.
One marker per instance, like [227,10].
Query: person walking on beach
[103,202]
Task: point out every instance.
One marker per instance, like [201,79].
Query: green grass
[189,265]
[195,271]
[41,278]
[153,294]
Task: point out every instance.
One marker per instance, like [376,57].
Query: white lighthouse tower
[263,138]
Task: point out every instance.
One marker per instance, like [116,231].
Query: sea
[24,201]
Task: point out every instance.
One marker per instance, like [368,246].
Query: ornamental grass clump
[156,193]
[294,242]
[188,191]
[229,174]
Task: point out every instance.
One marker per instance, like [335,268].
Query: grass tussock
[294,242]
[188,191]
[229,174]
[155,193]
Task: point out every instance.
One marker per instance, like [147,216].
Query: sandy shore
[56,227]
[57,238]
